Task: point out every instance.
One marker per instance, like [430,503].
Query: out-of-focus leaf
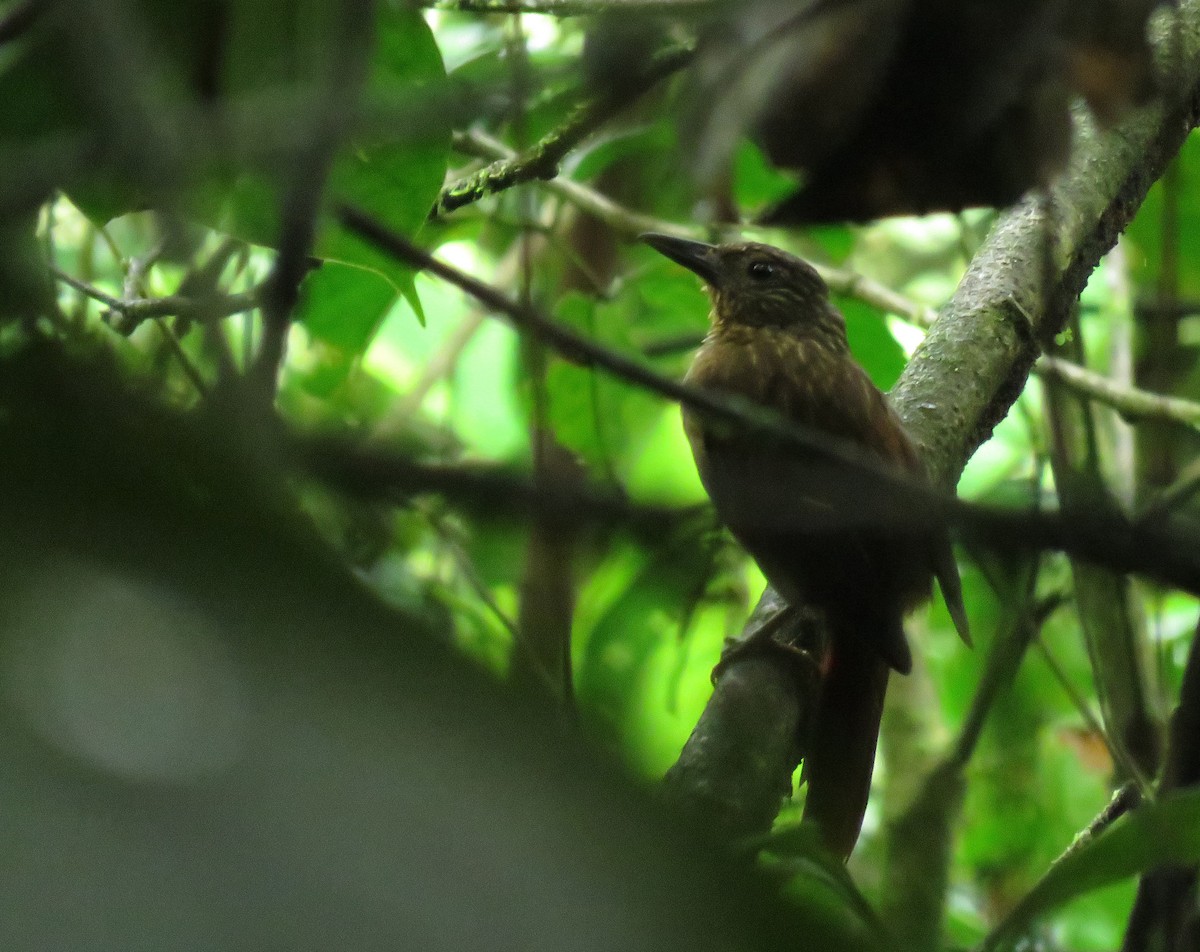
[1164,832]
[343,305]
[854,94]
[185,62]
[757,182]
[819,881]
[592,414]
[640,141]
[625,634]
[397,181]
[872,343]
[1144,237]
[27,291]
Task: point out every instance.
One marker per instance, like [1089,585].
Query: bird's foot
[762,641]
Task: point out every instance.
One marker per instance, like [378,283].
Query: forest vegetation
[360,588]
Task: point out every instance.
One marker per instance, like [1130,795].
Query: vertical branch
[1112,621]
[333,111]
[921,837]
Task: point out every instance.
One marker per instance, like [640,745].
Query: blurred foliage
[128,180]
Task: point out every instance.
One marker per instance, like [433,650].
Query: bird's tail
[841,751]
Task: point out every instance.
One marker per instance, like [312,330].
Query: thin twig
[1131,402]
[141,309]
[861,490]
[585,352]
[1122,802]
[617,217]
[112,303]
[542,159]
[185,362]
[1116,752]
[1125,798]
[626,221]
[465,568]
[1104,601]
[869,291]
[136,269]
[110,243]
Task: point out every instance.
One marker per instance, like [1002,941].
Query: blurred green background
[166,177]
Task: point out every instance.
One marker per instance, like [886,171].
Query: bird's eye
[760,270]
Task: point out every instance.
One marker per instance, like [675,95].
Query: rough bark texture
[737,766]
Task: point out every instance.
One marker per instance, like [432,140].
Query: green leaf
[344,305]
[759,184]
[591,413]
[872,343]
[268,63]
[399,181]
[820,884]
[396,179]
[617,648]
[1145,234]
[1164,832]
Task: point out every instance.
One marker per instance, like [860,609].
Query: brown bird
[777,340]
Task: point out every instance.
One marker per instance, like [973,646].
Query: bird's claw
[764,644]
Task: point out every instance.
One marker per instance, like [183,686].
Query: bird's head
[757,285]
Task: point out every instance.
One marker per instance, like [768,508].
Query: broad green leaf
[872,343]
[1164,832]
[616,650]
[1145,235]
[343,305]
[592,414]
[268,63]
[397,182]
[758,183]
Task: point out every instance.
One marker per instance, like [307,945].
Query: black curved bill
[694,255]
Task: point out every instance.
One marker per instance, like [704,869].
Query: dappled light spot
[125,675]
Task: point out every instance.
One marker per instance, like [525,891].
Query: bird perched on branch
[822,535]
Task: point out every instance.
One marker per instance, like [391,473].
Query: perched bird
[777,340]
